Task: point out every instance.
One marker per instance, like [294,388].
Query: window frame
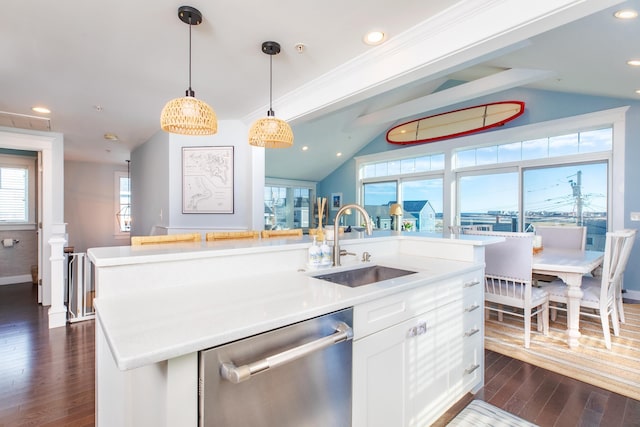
[615,118]
[29,163]
[117,176]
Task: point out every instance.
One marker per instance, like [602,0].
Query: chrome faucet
[336,229]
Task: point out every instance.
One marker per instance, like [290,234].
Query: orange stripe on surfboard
[455,123]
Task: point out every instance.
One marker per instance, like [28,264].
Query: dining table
[569,265]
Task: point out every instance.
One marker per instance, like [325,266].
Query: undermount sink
[364,276]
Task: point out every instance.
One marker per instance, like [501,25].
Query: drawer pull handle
[419,329]
[474,307]
[471,332]
[237,374]
[472,283]
[471,369]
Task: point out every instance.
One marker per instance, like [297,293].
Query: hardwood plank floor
[47,378]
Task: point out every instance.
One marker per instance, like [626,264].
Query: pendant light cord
[190,91]
[270,112]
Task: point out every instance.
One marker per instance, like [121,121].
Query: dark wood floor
[47,378]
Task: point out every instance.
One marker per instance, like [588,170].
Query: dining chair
[562,236]
[559,237]
[294,232]
[165,238]
[231,235]
[600,293]
[508,281]
[462,229]
[630,240]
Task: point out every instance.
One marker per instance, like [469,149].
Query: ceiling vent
[24,121]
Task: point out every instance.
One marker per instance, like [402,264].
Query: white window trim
[614,117]
[117,234]
[10,161]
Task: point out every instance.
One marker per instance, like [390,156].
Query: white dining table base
[574,295]
[569,266]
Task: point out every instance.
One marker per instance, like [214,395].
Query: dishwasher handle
[237,374]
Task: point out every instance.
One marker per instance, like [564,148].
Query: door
[39,225]
[397,374]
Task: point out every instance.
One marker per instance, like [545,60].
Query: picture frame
[336,201]
[207,180]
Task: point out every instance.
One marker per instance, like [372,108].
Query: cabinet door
[395,375]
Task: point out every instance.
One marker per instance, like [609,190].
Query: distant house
[421,212]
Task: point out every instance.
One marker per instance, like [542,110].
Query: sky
[545,189]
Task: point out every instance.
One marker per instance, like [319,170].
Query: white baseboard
[631,294]
[12,280]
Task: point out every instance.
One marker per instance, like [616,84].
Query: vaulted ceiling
[109,67]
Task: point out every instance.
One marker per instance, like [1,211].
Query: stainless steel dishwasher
[298,375]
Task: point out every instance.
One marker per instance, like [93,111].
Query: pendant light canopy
[188,115]
[270,132]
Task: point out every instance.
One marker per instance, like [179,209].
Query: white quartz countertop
[150,327]
[123,255]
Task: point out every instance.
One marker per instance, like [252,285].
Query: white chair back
[562,236]
[617,249]
[512,258]
[508,267]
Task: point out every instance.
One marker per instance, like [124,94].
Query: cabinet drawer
[382,313]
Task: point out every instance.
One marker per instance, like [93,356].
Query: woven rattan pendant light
[188,115]
[271,132]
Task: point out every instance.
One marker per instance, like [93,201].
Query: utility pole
[577,193]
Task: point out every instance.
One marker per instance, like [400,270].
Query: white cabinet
[426,352]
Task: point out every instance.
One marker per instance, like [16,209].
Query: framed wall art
[207,180]
[336,201]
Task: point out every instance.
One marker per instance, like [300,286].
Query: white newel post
[57,311]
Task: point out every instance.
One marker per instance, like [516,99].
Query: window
[378,196]
[422,203]
[569,194]
[123,203]
[593,141]
[17,190]
[489,198]
[288,205]
[561,170]
[13,194]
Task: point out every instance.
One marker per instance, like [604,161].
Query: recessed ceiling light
[111,137]
[374,38]
[338,154]
[43,110]
[638,91]
[634,62]
[305,148]
[626,14]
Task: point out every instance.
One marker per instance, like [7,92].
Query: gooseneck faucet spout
[336,229]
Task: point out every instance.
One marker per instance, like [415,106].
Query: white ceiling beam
[481,87]
[467,30]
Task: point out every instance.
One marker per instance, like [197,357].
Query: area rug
[616,370]
[480,414]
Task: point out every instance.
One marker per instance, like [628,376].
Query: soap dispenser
[325,251]
[315,254]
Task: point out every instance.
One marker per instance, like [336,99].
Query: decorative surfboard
[455,123]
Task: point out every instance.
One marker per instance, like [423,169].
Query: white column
[57,311]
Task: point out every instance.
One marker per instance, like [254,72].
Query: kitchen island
[157,307]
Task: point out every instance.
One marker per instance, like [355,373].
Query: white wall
[150,185]
[157,174]
[90,211]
